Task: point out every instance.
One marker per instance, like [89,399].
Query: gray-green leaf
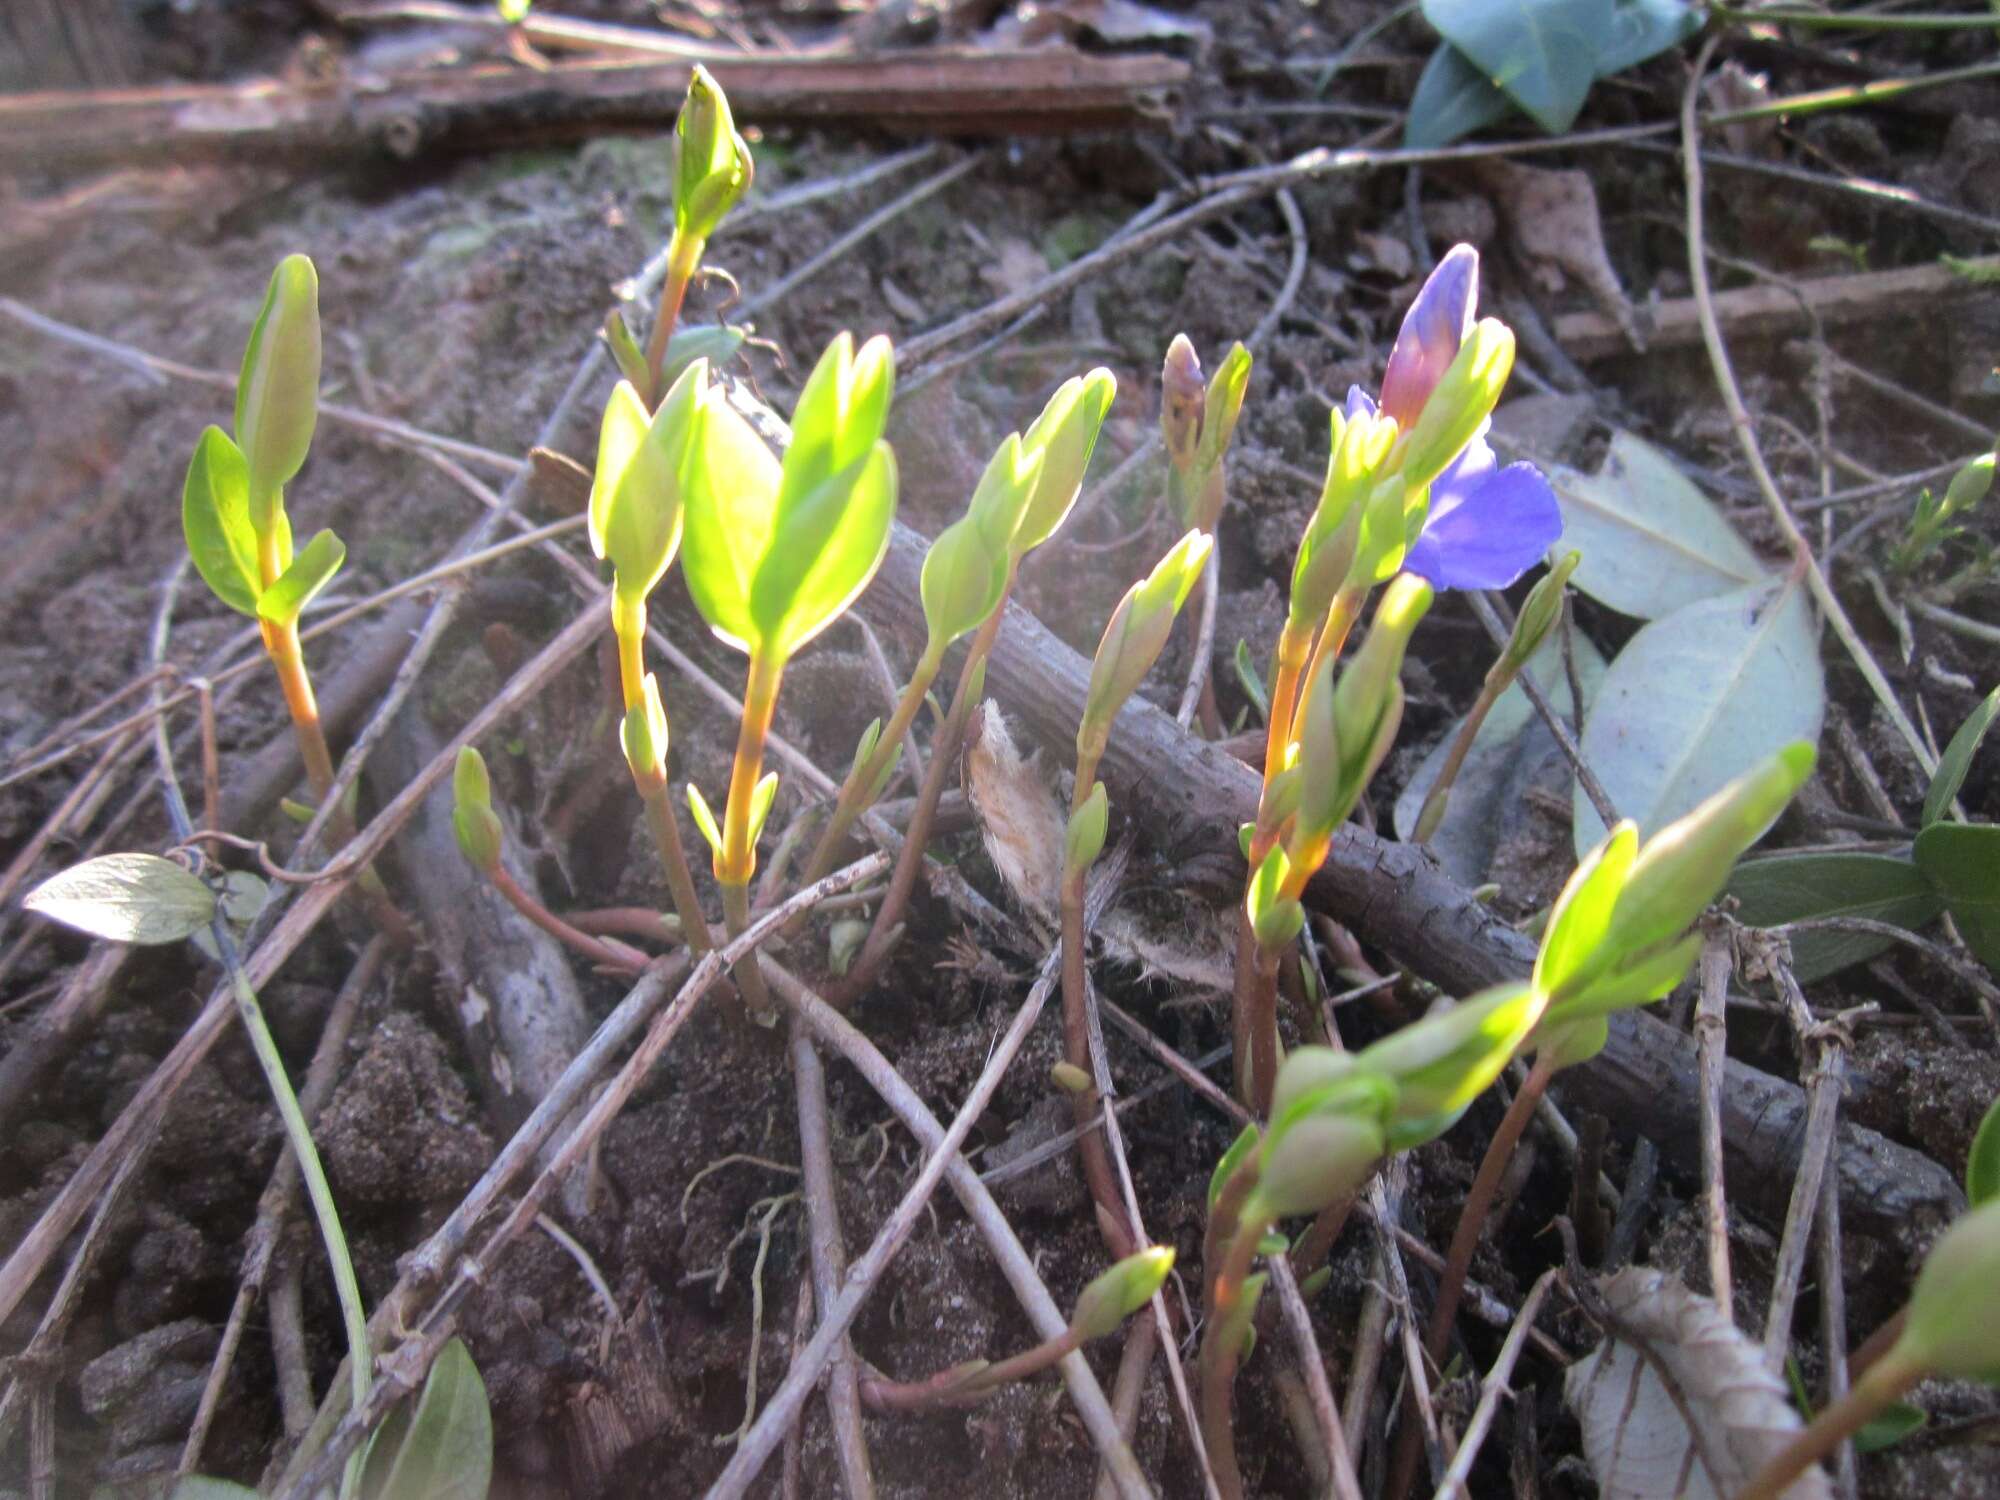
[1982,1165]
[1650,540]
[444,1450]
[1697,699]
[1796,887]
[128,898]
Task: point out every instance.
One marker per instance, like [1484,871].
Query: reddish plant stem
[1090,1145]
[1886,1381]
[608,952]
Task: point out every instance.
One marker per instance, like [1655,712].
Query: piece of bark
[1190,796]
[511,985]
[1771,310]
[931,92]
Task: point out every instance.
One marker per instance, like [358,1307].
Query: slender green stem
[1822,20]
[736,860]
[360,1356]
[855,792]
[1440,792]
[1885,1381]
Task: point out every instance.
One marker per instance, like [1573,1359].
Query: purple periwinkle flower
[1487,524]
[1432,330]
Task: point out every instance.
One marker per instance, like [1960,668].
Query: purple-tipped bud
[1183,395]
[1432,330]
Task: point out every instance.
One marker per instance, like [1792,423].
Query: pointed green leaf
[1114,1295]
[1957,758]
[1239,1152]
[1138,631]
[799,593]
[127,898]
[966,569]
[703,818]
[1963,862]
[473,820]
[642,523]
[215,519]
[1641,981]
[1065,434]
[284,601]
[1443,1062]
[625,354]
[761,797]
[1453,99]
[1953,1319]
[277,392]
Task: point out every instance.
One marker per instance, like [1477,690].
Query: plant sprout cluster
[774,547]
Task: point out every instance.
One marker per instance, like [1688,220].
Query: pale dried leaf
[1551,216]
[1676,1404]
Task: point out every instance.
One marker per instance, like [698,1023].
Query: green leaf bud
[1239,1325]
[277,392]
[966,570]
[1268,910]
[1570,1044]
[1115,1295]
[1443,1062]
[215,519]
[1366,710]
[1316,1160]
[762,795]
[1311,1286]
[1322,801]
[1539,613]
[1953,1325]
[1135,636]
[712,165]
[844,940]
[312,570]
[1083,841]
[637,525]
[1065,434]
[1224,404]
[1307,1070]
[1640,980]
[1183,398]
[1334,536]
[1968,487]
[1388,516]
[1461,403]
[1071,1079]
[1240,1151]
[472,817]
[1684,865]
[643,733]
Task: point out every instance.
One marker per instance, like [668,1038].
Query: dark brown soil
[458,296]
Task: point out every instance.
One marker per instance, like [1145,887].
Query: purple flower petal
[1432,330]
[1359,403]
[1487,526]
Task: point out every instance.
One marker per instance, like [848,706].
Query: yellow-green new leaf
[1065,434]
[1083,840]
[1116,1294]
[619,438]
[277,392]
[732,495]
[473,820]
[1573,947]
[966,569]
[1137,633]
[1462,401]
[284,601]
[1443,1062]
[642,522]
[215,519]
[704,819]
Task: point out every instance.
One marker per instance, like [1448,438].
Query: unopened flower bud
[1432,331]
[1954,1316]
[1183,395]
[1968,487]
[1539,613]
[713,168]
[1316,1161]
[1135,636]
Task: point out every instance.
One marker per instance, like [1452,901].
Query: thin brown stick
[829,1258]
[1491,1390]
[1833,1326]
[1339,1463]
[1823,1089]
[1711,1035]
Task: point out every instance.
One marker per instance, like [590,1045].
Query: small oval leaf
[1963,861]
[215,519]
[312,570]
[446,1452]
[1797,887]
[128,898]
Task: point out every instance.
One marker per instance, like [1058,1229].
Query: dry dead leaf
[1016,266]
[1676,1404]
[1551,217]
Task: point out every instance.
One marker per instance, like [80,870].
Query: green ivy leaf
[1796,887]
[215,519]
[127,898]
[1957,758]
[1453,99]
[277,392]
[444,1449]
[284,601]
[1963,862]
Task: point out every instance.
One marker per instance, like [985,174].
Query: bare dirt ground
[458,296]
